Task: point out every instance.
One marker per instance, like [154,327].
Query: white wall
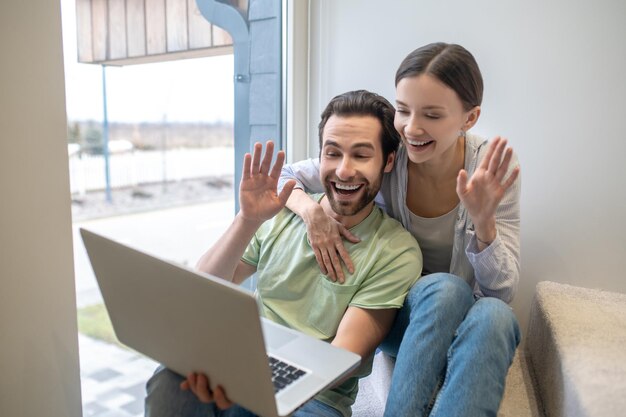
[554,85]
[39,373]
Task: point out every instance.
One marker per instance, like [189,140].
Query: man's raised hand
[258,196]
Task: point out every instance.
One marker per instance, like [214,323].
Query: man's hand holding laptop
[199,385]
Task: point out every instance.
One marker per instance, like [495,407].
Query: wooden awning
[123,32]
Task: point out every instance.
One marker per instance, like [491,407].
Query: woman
[455,337]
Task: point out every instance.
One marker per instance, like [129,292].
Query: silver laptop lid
[143,299]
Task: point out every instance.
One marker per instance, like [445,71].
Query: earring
[462,133]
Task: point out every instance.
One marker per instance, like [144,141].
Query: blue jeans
[166,399]
[452,352]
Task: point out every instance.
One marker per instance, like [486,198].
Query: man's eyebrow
[367,145]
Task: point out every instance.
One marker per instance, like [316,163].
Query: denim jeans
[166,399]
[452,352]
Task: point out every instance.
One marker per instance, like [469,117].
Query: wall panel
[117,29]
[83,22]
[156,38]
[199,27]
[99,29]
[176,25]
[136,27]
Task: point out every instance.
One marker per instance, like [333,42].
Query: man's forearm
[223,257]
[362,330]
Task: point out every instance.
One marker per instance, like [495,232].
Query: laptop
[194,322]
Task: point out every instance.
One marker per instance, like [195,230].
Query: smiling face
[430,117]
[352,164]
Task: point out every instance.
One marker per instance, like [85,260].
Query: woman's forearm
[303,205]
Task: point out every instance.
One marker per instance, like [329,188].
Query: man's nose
[346,169]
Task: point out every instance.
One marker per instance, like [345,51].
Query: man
[357,145]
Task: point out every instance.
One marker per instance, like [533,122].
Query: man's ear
[472,117]
[389,164]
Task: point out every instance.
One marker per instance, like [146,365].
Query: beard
[367,193]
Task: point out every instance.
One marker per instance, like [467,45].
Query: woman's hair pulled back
[451,64]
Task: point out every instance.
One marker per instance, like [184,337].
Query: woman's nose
[413,128]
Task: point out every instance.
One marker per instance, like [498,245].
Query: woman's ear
[389,164]
[471,118]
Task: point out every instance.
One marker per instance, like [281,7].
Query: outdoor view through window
[168,191]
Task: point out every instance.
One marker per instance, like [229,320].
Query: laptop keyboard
[283,374]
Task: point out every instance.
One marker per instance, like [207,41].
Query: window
[121,163]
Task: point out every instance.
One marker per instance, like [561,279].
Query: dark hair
[364,103]
[451,64]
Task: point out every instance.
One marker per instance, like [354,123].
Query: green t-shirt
[293,292]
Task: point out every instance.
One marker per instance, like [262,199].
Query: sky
[191,90]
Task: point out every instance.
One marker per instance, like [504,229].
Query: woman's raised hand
[483,192]
[325,236]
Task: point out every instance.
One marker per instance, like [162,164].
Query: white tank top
[435,237]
